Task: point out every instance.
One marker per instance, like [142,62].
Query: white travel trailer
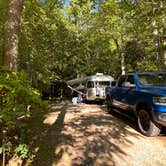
[92,87]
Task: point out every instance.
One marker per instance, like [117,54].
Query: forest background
[60,42]
[46,41]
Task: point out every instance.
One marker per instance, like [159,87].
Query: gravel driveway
[86,135]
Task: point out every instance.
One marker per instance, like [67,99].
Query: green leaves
[86,35]
[16,95]
[23,151]
[1,150]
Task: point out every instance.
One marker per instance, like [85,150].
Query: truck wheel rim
[144,120]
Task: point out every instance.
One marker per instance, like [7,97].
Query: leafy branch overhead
[89,35]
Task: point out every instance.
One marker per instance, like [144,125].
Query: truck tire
[109,104]
[146,125]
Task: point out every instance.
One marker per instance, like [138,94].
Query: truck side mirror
[128,85]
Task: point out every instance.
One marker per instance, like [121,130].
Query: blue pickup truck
[143,94]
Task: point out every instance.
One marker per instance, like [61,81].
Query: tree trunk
[164,35]
[164,43]
[122,56]
[12,28]
[123,63]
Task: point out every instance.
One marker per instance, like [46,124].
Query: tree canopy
[59,41]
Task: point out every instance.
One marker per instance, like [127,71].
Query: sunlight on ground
[51,118]
[100,139]
[94,135]
[65,159]
[88,135]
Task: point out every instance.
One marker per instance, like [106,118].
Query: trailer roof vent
[99,74]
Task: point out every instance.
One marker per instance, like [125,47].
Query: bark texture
[12,28]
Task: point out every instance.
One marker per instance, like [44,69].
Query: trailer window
[102,83]
[90,84]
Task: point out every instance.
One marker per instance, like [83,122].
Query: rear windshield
[153,79]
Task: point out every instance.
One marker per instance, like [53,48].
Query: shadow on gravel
[47,137]
[130,119]
[88,137]
[95,138]
[126,118]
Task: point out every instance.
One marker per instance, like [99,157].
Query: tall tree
[12,28]
[3,9]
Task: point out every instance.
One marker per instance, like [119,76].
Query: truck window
[153,79]
[121,80]
[130,79]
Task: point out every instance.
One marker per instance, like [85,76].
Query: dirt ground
[86,135]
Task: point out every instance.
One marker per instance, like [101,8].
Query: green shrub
[16,95]
[22,151]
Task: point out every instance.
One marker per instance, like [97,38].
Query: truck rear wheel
[109,104]
[146,125]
